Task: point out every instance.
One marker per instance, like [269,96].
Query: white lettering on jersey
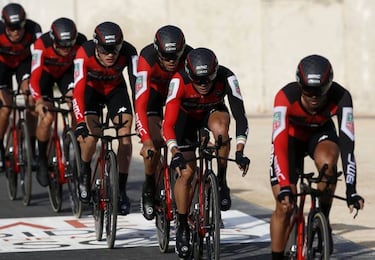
[78,70]
[347,123]
[140,84]
[173,88]
[138,125]
[279,174]
[279,114]
[76,111]
[350,170]
[234,85]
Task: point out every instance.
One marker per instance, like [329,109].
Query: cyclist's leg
[88,148]
[150,165]
[280,219]
[124,155]
[218,123]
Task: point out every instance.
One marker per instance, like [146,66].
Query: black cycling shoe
[225,200]
[148,201]
[42,173]
[124,205]
[84,187]
[183,248]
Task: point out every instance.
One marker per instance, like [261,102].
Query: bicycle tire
[291,245]
[54,187]
[72,157]
[98,211]
[10,164]
[25,163]
[211,222]
[112,191]
[162,223]
[318,237]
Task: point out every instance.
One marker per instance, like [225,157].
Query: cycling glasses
[109,49]
[16,26]
[316,91]
[170,56]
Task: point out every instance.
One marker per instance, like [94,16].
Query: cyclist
[195,100]
[17,33]
[157,63]
[52,63]
[99,79]
[303,125]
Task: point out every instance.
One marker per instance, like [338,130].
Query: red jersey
[183,96]
[88,71]
[291,119]
[45,58]
[13,53]
[151,76]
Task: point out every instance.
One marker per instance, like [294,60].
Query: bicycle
[63,158]
[311,240]
[18,151]
[104,182]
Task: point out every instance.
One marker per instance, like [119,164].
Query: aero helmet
[201,65]
[63,32]
[14,16]
[108,37]
[169,42]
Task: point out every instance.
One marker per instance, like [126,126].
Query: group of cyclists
[176,90]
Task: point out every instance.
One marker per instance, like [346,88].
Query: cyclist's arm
[347,141]
[238,111]
[141,98]
[280,139]
[172,109]
[36,70]
[80,73]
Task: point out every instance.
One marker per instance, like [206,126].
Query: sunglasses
[170,56]
[109,49]
[316,91]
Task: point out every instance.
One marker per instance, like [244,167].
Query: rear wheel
[54,188]
[112,193]
[98,201]
[318,246]
[211,221]
[10,163]
[72,157]
[25,162]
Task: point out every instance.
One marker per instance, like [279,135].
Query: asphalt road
[234,249]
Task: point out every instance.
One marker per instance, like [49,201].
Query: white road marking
[69,233]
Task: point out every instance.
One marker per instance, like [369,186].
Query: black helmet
[14,16]
[201,65]
[169,42]
[314,75]
[108,37]
[63,32]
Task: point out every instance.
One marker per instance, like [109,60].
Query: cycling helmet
[63,32]
[314,75]
[169,42]
[108,37]
[201,65]
[14,16]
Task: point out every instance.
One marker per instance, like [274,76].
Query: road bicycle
[311,240]
[63,157]
[104,182]
[165,209]
[18,151]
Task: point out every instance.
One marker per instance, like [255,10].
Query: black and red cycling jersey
[13,53]
[182,95]
[88,71]
[291,119]
[45,58]
[151,76]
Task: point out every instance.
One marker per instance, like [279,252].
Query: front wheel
[25,162]
[54,187]
[112,195]
[211,220]
[11,151]
[318,246]
[72,157]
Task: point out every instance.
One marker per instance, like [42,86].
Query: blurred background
[261,41]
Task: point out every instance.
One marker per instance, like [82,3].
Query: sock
[42,147]
[277,255]
[123,179]
[182,218]
[222,176]
[150,179]
[86,167]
